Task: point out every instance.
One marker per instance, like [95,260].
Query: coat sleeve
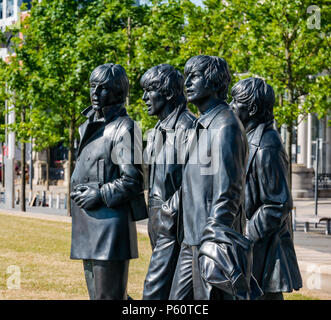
[276,202]
[229,152]
[126,154]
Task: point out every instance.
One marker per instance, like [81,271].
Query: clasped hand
[86,196]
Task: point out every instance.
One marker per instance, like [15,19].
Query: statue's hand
[86,197]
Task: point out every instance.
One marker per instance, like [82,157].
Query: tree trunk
[23,163]
[47,167]
[70,163]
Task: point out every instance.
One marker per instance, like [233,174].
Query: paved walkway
[313,249]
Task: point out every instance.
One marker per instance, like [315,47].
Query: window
[28,4]
[10,8]
[1,6]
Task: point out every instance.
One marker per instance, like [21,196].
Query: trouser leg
[182,283]
[201,289]
[106,280]
[188,284]
[272,296]
[161,269]
[89,277]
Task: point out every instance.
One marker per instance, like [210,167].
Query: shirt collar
[206,118]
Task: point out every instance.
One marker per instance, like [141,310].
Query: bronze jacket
[165,164]
[225,261]
[214,175]
[268,203]
[165,177]
[107,232]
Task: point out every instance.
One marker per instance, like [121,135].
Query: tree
[41,74]
[280,41]
[286,49]
[15,79]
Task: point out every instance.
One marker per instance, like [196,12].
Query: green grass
[41,250]
[298,296]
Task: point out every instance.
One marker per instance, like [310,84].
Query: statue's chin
[96,107]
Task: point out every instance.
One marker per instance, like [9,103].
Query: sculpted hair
[114,76]
[215,70]
[256,91]
[165,79]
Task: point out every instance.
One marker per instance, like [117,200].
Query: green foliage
[64,40]
[290,53]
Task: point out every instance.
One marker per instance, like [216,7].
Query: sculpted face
[196,87]
[154,100]
[101,95]
[242,110]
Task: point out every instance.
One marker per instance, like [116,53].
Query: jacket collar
[206,118]
[255,134]
[254,138]
[109,112]
[170,121]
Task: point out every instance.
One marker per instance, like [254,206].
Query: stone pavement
[313,249]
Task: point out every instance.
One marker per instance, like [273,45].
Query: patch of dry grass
[41,250]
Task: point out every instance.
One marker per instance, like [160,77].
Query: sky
[198,2]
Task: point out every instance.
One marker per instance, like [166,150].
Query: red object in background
[5,151]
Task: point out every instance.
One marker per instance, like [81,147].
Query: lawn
[39,250]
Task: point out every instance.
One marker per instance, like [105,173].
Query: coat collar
[209,115]
[255,134]
[109,112]
[92,125]
[254,139]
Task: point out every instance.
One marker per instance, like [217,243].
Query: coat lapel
[90,127]
[254,144]
[88,131]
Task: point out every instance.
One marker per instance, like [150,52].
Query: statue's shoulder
[271,139]
[185,120]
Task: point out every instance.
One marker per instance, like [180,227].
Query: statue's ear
[252,110]
[169,95]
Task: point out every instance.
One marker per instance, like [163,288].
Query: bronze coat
[107,232]
[218,192]
[165,179]
[268,203]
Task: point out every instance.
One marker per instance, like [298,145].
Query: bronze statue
[211,196]
[164,96]
[107,193]
[268,200]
